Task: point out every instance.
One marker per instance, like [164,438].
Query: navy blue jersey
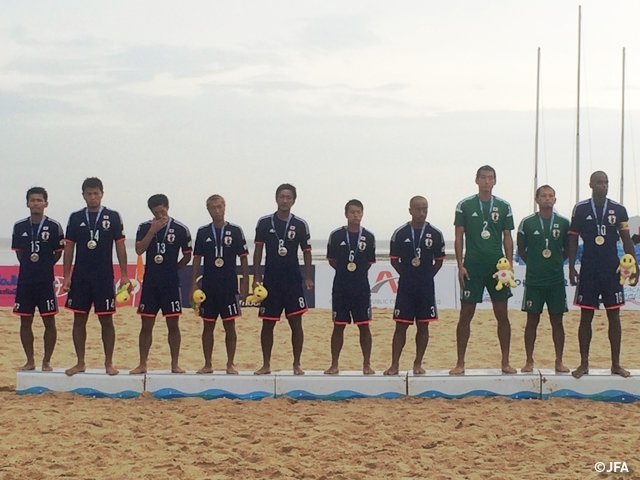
[167,243]
[589,221]
[43,241]
[273,232]
[226,243]
[104,227]
[408,243]
[345,247]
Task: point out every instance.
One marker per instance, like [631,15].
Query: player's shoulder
[435,230]
[336,231]
[466,201]
[300,221]
[53,222]
[400,231]
[203,229]
[145,224]
[265,219]
[368,233]
[616,205]
[581,205]
[21,223]
[234,227]
[77,213]
[180,225]
[501,201]
[561,219]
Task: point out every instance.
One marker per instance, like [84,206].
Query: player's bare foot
[140,369]
[332,370]
[205,369]
[265,370]
[367,370]
[231,370]
[177,369]
[79,368]
[28,366]
[418,370]
[46,367]
[560,368]
[509,370]
[457,370]
[111,370]
[392,370]
[618,370]
[297,370]
[580,371]
[528,367]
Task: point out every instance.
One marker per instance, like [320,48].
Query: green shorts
[534,299]
[479,278]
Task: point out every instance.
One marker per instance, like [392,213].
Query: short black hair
[38,191]
[157,200]
[486,168]
[353,203]
[287,186]
[92,182]
[542,187]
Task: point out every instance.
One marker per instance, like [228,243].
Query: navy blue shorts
[32,295]
[348,308]
[159,297]
[597,286]
[223,305]
[289,298]
[87,291]
[418,306]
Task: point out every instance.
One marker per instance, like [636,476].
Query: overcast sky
[372,100]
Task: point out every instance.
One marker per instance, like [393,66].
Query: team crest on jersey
[362,246]
[291,234]
[44,236]
[228,240]
[171,237]
[106,224]
[612,219]
[45,228]
[556,233]
[495,216]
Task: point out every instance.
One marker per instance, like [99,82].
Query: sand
[63,435]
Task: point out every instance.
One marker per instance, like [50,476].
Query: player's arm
[458,246]
[184,261]
[331,253]
[507,242]
[195,270]
[244,283]
[56,256]
[306,255]
[121,254]
[521,242]
[627,245]
[573,253]
[437,265]
[257,260]
[143,242]
[69,248]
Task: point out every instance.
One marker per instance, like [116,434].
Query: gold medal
[599,240]
[486,234]
[415,261]
[219,262]
[158,259]
[282,251]
[546,253]
[34,257]
[351,266]
[92,244]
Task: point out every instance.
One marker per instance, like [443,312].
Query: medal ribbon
[413,239]
[34,238]
[218,253]
[286,228]
[604,211]
[166,231]
[95,224]
[352,252]
[546,237]
[485,220]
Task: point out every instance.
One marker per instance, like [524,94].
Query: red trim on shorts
[306,249]
[299,312]
[25,314]
[48,314]
[121,239]
[258,243]
[17,249]
[614,307]
[271,319]
[586,307]
[171,315]
[148,315]
[394,257]
[410,322]
[105,313]
[76,311]
[402,320]
[340,323]
[571,232]
[228,319]
[363,322]
[426,320]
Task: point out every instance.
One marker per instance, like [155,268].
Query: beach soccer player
[38,242]
[162,239]
[483,222]
[91,235]
[218,245]
[600,222]
[417,252]
[281,234]
[351,250]
[543,242]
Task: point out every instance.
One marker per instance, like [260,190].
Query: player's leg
[266,342]
[557,305]
[175,339]
[426,312]
[360,309]
[171,304]
[530,334]
[208,326]
[108,341]
[504,333]
[270,311]
[26,337]
[145,339]
[50,338]
[231,340]
[615,339]
[79,300]
[79,335]
[422,340]
[366,344]
[584,340]
[471,295]
[294,306]
[337,340]
[397,344]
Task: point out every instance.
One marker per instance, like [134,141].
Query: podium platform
[599,384]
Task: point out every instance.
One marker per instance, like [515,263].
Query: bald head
[418,208]
[418,200]
[599,183]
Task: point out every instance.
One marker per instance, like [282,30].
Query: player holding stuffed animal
[627,269]
[543,242]
[600,222]
[483,223]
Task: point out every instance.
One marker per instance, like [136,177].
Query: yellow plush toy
[627,268]
[504,275]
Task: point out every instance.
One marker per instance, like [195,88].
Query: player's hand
[309,284]
[574,277]
[158,224]
[244,289]
[633,278]
[462,276]
[193,288]
[66,284]
[256,282]
[125,280]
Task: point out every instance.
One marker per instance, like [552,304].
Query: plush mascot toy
[627,268]
[504,275]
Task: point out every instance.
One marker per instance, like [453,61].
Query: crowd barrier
[314,385]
